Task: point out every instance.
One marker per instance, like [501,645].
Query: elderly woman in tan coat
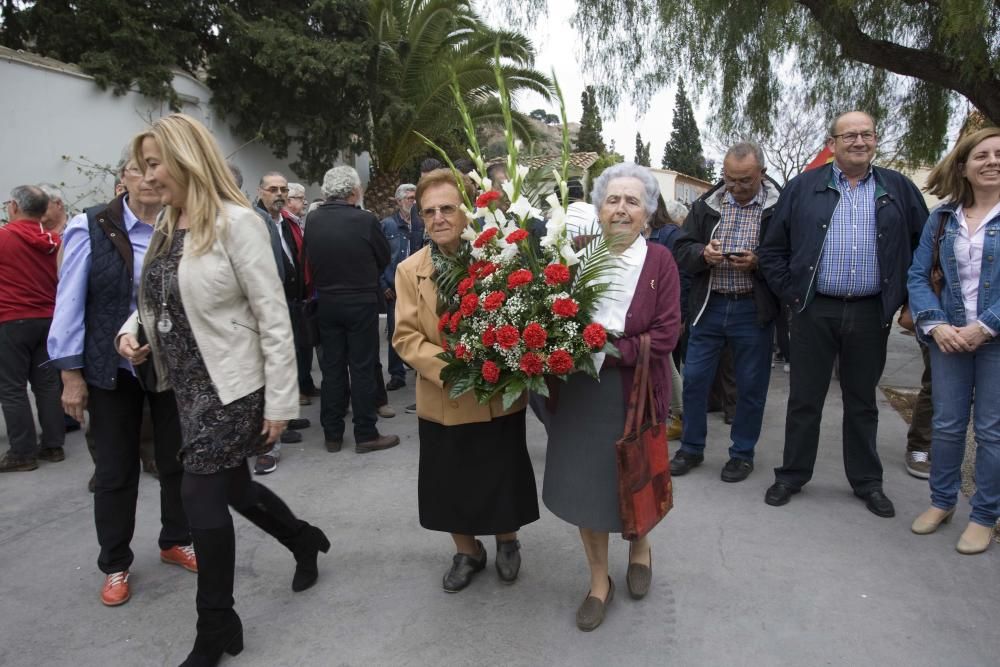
[475,477]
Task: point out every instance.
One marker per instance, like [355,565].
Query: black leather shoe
[877,503]
[508,560]
[289,437]
[297,424]
[395,383]
[334,446]
[736,470]
[682,463]
[728,418]
[779,494]
[463,567]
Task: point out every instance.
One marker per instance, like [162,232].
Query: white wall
[50,109]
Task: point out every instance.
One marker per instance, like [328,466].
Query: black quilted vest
[109,292]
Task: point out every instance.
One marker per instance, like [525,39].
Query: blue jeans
[958,378]
[396,367]
[736,322]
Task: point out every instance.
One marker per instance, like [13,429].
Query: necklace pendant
[164,325]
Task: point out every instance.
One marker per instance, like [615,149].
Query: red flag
[825,156]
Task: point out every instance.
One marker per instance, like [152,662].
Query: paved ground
[819,582]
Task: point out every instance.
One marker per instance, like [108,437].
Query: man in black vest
[98,286]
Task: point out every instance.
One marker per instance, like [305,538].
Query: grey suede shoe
[638,577]
[591,613]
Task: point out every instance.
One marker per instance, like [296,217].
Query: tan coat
[236,306]
[418,342]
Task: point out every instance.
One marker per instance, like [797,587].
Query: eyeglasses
[447,211]
[738,181]
[302,197]
[274,189]
[851,137]
[133,171]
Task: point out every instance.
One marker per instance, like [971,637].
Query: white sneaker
[385,412]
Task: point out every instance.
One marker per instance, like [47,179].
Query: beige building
[683,188]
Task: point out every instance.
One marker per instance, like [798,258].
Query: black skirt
[476,479]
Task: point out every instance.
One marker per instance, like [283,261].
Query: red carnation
[487,269]
[494,300]
[595,336]
[516,235]
[531,363]
[456,317]
[443,322]
[508,336]
[461,351]
[485,237]
[483,200]
[491,373]
[475,267]
[444,344]
[519,277]
[465,285]
[556,274]
[560,362]
[469,303]
[564,308]
[534,336]
[489,336]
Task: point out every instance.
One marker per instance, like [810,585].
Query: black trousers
[918,438]
[349,338]
[22,353]
[116,424]
[303,350]
[826,329]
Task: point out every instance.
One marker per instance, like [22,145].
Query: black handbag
[145,372]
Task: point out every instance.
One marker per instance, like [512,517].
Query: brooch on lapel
[652,284]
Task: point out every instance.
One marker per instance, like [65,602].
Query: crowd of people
[182,305]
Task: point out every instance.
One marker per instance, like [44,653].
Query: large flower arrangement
[516,307]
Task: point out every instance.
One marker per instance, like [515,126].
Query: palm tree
[419,46]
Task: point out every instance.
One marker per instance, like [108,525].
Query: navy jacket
[392,227]
[793,244]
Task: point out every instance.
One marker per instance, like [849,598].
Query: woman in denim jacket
[960,328]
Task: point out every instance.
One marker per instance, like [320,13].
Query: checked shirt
[849,265]
[738,229]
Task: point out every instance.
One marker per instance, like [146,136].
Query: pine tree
[683,152]
[589,138]
[641,151]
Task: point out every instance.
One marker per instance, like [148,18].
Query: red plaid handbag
[645,491]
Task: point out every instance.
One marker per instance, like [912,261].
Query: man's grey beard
[277,205]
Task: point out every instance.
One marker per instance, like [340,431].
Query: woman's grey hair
[743,149]
[340,182]
[31,200]
[677,211]
[627,170]
[296,190]
[54,193]
[405,189]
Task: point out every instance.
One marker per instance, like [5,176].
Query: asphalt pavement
[821,581]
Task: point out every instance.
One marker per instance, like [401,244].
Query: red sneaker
[180,555]
[115,591]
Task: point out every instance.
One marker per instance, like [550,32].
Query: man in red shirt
[27,298]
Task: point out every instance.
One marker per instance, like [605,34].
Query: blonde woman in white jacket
[214,314]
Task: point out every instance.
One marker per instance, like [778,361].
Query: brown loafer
[381,442]
[638,577]
[591,613]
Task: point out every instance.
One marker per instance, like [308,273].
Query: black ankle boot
[271,514]
[219,628]
[218,633]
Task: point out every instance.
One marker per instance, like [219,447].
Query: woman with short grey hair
[340,182]
[587,416]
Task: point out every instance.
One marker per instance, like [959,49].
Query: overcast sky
[556,46]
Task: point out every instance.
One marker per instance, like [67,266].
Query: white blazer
[235,303]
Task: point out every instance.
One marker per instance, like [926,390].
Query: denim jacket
[925,304]
[402,244]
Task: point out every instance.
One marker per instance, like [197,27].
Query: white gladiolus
[476,178]
[469,233]
[569,255]
[508,187]
[509,252]
[522,171]
[486,184]
[523,209]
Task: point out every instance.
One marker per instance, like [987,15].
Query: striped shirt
[739,229]
[849,265]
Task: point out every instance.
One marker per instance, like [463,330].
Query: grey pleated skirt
[581,473]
